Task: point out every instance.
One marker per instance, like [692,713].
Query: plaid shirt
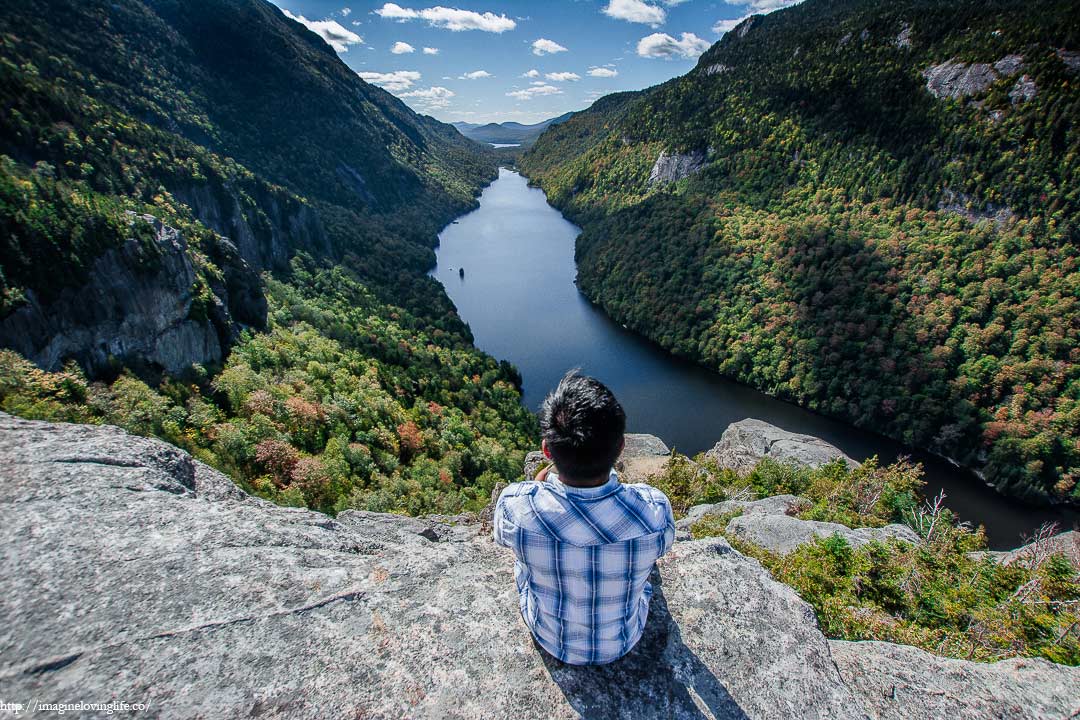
[583,559]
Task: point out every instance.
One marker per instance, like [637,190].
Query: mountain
[508,132]
[213,231]
[867,209]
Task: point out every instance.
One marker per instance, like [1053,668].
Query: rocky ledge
[132,572]
[749,441]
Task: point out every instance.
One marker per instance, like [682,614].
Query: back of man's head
[583,425]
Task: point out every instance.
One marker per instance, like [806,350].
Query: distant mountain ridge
[508,132]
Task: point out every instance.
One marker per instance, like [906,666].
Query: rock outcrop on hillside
[672,167]
[783,534]
[137,305]
[747,442]
[769,523]
[773,505]
[957,80]
[132,572]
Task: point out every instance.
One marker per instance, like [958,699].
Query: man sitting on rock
[584,542]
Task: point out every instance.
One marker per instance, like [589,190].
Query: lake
[518,296]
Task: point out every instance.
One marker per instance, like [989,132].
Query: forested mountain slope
[230,231]
[869,209]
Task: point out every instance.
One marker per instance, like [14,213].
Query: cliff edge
[133,573]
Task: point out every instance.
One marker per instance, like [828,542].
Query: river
[518,296]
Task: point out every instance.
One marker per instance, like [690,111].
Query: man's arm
[669,528]
[503,529]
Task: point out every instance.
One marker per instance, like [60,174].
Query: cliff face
[139,304]
[273,227]
[133,572]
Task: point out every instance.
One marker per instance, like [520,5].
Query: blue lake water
[518,296]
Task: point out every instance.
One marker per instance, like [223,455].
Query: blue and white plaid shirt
[583,562]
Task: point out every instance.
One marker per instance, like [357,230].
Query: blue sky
[523,60]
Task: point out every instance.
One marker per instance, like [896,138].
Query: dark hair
[583,425]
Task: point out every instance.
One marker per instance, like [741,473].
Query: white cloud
[723,26]
[603,72]
[431,51]
[536,90]
[432,98]
[345,12]
[563,76]
[636,11]
[401,48]
[392,81]
[543,46]
[763,6]
[449,18]
[531,73]
[662,45]
[391,11]
[475,75]
[331,31]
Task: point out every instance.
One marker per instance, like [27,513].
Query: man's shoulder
[647,494]
[522,490]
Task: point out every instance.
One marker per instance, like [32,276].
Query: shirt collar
[607,488]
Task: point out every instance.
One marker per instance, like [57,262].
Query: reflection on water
[518,296]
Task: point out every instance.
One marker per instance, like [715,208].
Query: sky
[524,60]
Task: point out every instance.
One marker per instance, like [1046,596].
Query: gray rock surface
[1071,58]
[716,69]
[266,228]
[899,682]
[533,462]
[972,209]
[783,534]
[136,305]
[746,442]
[773,505]
[903,38]
[670,168]
[642,445]
[958,80]
[130,571]
[1009,65]
[1024,90]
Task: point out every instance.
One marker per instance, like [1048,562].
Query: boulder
[642,445]
[783,534]
[131,571]
[643,457]
[900,682]
[773,505]
[746,442]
